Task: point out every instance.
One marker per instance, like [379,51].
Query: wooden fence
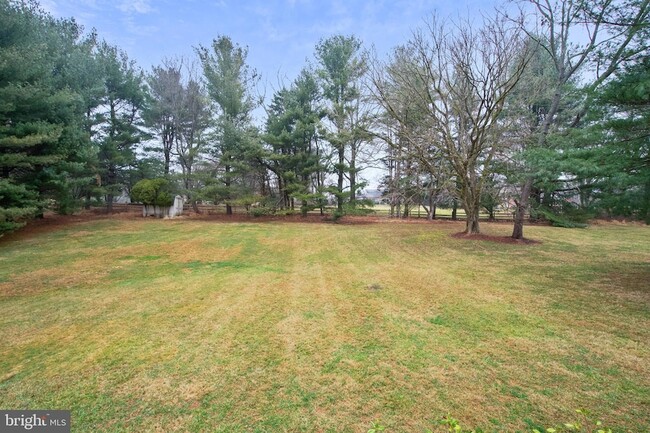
[380,211]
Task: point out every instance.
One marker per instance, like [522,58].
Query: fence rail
[447,214]
[380,211]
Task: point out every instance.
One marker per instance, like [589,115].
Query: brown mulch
[242,217]
[497,239]
[52,221]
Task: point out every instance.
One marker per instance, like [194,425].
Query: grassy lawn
[201,326]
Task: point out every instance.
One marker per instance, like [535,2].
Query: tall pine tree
[119,124]
[43,140]
[230,83]
[292,136]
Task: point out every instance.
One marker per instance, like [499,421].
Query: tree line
[543,108]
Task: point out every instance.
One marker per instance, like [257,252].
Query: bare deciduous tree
[457,78]
[164,101]
[193,121]
[179,113]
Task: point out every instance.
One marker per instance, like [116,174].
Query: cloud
[271,26]
[339,8]
[292,3]
[261,11]
[131,9]
[135,6]
[65,8]
[134,28]
[276,34]
[338,26]
[49,6]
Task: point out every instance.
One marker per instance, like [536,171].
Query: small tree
[153,192]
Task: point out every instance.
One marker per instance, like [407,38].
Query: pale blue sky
[280,34]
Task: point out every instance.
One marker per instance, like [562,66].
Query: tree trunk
[471,225]
[353,174]
[454,210]
[227,182]
[167,161]
[522,205]
[339,197]
[391,182]
[645,209]
[168,142]
[520,213]
[111,177]
[281,188]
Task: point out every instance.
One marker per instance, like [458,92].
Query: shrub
[359,208]
[560,220]
[156,192]
[261,211]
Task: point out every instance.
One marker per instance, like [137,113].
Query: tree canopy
[542,113]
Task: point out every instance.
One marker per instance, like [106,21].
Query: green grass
[200,326]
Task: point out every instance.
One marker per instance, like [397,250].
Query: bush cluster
[156,192]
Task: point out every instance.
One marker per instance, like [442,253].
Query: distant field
[143,325]
[444,213]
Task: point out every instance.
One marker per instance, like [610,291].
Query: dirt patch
[37,226]
[178,252]
[616,222]
[629,284]
[497,239]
